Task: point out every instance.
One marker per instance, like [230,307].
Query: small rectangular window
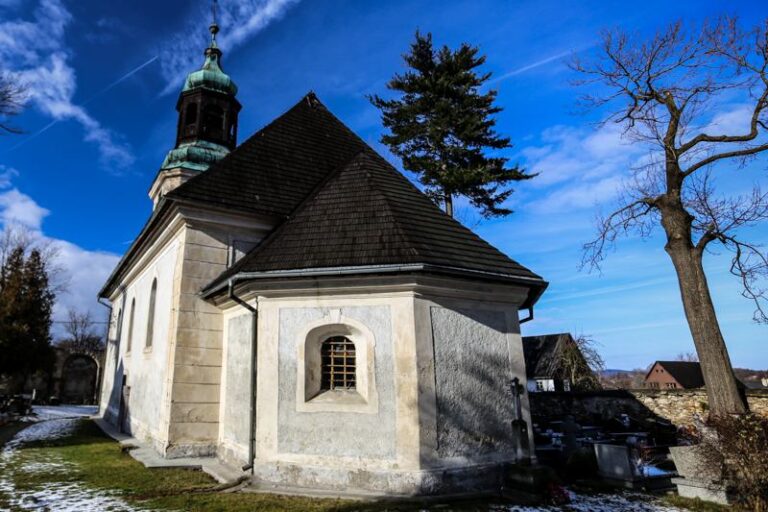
[338,364]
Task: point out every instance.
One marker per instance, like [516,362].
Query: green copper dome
[210,76]
[195,156]
[207,121]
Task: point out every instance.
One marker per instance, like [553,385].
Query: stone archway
[79,378]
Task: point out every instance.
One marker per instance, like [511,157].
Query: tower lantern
[207,124]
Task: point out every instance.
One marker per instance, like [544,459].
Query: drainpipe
[253,384]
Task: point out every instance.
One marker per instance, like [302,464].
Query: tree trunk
[449,204]
[720,382]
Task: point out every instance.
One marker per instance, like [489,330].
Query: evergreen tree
[26,304]
[442,125]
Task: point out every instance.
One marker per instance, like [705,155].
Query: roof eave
[162,207]
[536,285]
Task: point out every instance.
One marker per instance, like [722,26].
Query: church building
[296,307]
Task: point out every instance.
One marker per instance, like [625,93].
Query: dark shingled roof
[687,374]
[345,206]
[367,213]
[277,167]
[540,354]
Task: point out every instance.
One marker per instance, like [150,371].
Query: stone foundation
[305,479]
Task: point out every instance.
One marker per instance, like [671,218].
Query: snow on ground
[63,496]
[49,412]
[623,502]
[59,496]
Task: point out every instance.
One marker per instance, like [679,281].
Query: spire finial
[214,28]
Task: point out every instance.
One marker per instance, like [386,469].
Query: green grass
[696,504]
[98,462]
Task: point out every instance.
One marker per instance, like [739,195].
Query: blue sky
[108,74]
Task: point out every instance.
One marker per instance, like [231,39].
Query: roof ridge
[277,230]
[310,100]
[477,238]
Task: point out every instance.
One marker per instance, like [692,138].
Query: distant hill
[610,372]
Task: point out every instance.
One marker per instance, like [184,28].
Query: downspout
[529,317]
[253,384]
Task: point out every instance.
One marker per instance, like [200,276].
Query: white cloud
[579,167]
[239,20]
[37,52]
[16,207]
[84,271]
[733,121]
[6,175]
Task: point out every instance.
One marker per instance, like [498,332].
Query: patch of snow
[624,502]
[50,412]
[53,496]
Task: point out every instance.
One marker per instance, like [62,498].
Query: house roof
[686,373]
[540,354]
[367,213]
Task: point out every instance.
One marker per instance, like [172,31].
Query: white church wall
[368,434]
[332,446]
[211,239]
[406,444]
[235,432]
[109,401]
[477,351]
[145,367]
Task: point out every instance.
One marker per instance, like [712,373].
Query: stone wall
[677,406]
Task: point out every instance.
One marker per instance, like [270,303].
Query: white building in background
[296,306]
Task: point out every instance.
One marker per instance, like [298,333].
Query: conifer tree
[442,126]
[26,304]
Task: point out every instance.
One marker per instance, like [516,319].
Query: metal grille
[338,360]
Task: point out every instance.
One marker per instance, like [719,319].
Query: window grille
[338,363]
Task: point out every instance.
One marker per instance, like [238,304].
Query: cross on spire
[214,28]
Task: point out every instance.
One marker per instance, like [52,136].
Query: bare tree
[81,331]
[664,91]
[688,357]
[580,363]
[13,93]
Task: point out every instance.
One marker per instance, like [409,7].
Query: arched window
[213,121]
[130,325]
[151,315]
[338,365]
[190,116]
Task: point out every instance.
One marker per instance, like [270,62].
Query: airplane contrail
[121,79]
[531,66]
[539,63]
[99,93]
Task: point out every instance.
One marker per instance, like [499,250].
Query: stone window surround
[309,398]
[151,313]
[131,316]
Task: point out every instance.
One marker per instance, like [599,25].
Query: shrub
[740,447]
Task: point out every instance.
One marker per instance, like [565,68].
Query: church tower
[207,126]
